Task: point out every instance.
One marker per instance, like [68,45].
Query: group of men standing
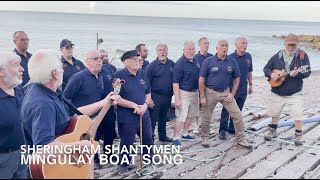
[33,86]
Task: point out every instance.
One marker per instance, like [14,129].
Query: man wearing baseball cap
[71,65]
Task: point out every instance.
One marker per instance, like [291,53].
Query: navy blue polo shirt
[245,66]
[145,64]
[219,73]
[84,88]
[10,123]
[112,67]
[134,89]
[107,72]
[70,70]
[160,77]
[200,58]
[186,73]
[44,115]
[24,64]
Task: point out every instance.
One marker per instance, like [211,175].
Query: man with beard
[71,65]
[159,73]
[143,52]
[21,40]
[105,60]
[11,97]
[44,113]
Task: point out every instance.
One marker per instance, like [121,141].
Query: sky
[257,10]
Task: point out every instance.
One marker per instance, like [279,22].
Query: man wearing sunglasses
[290,91]
[71,65]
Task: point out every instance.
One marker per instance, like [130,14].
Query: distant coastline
[205,19]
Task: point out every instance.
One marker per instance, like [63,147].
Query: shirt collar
[159,62]
[65,61]
[130,74]
[237,55]
[17,52]
[48,91]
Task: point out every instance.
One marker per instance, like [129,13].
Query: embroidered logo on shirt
[109,77]
[229,68]
[78,68]
[142,81]
[198,65]
[248,61]
[170,69]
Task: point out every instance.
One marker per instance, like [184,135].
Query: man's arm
[236,82]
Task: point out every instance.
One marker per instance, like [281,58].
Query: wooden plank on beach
[215,165]
[238,167]
[315,174]
[279,158]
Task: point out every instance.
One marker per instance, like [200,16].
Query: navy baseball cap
[65,43]
[129,54]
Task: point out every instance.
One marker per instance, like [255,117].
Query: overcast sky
[259,10]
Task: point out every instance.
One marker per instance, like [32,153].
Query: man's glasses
[102,56]
[95,58]
[292,45]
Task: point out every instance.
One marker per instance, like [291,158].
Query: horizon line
[156,16]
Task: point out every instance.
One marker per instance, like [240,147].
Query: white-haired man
[11,97]
[44,112]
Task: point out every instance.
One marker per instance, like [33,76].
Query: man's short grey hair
[42,63]
[221,41]
[162,44]
[15,33]
[203,38]
[6,56]
[103,50]
[240,38]
[187,43]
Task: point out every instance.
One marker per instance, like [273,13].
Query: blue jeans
[10,166]
[240,98]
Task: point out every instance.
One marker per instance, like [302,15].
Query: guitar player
[44,114]
[290,91]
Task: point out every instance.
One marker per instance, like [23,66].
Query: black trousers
[159,114]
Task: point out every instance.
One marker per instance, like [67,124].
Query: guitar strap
[301,55]
[71,106]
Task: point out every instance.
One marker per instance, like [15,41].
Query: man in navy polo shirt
[71,65]
[244,61]
[159,73]
[185,89]
[215,76]
[21,40]
[105,60]
[11,97]
[87,87]
[200,57]
[136,96]
[44,113]
[143,52]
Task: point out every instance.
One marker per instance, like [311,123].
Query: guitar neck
[93,129]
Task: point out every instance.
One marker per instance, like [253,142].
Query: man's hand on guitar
[275,76]
[294,72]
[112,96]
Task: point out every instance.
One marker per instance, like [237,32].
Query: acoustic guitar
[79,128]
[283,73]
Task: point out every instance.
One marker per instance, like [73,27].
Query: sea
[122,33]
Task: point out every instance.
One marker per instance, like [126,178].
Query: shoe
[188,138]
[223,135]
[232,132]
[298,139]
[205,142]
[97,166]
[195,129]
[167,139]
[244,143]
[176,142]
[272,134]
[122,170]
[212,132]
